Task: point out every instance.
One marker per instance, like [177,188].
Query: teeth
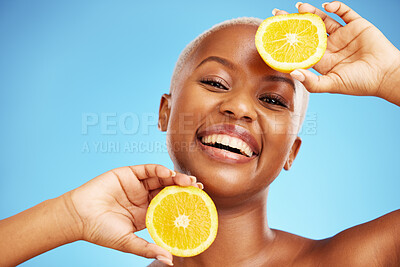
[213,139]
[234,142]
[248,151]
[225,140]
[228,141]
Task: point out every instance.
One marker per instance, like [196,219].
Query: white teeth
[228,141]
[219,137]
[225,140]
[249,152]
[234,142]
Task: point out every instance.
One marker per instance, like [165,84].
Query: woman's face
[232,121]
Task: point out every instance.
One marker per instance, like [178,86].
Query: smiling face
[231,120]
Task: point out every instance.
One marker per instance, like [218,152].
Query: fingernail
[298,4]
[274,11]
[200,185]
[324,4]
[165,260]
[193,179]
[298,75]
[173,174]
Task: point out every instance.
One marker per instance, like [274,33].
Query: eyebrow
[268,78]
[276,78]
[220,60]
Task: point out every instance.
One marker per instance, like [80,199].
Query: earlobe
[164,111]
[293,153]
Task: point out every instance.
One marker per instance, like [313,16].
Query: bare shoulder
[375,243]
[292,250]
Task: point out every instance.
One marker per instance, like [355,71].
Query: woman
[226,89]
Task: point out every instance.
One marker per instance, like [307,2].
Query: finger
[184,180]
[179,179]
[154,192]
[317,84]
[277,12]
[200,185]
[156,182]
[151,170]
[346,13]
[330,24]
[138,246]
[131,179]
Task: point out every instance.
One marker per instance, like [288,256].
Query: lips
[228,142]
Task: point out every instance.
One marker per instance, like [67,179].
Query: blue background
[63,60]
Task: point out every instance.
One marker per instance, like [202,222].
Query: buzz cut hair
[193,45]
[187,52]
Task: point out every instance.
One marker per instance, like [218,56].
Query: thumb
[316,83]
[138,246]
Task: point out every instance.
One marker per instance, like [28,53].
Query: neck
[243,234]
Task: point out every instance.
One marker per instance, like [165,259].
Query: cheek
[281,125]
[278,137]
[190,107]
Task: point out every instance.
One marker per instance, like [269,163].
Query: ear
[293,153]
[163,113]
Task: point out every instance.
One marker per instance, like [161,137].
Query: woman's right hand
[112,207]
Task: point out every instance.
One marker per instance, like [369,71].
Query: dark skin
[226,81]
[240,191]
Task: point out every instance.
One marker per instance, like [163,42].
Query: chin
[228,184]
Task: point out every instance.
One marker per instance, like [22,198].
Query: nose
[239,106]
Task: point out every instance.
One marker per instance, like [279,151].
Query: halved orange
[183,220]
[293,41]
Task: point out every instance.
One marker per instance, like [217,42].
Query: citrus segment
[293,41]
[183,220]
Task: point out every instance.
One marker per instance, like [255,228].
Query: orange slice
[294,41]
[183,220]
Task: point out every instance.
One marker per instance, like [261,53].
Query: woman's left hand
[359,59]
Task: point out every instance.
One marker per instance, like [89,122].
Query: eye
[214,82]
[273,100]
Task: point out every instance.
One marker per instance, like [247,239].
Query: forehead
[235,43]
